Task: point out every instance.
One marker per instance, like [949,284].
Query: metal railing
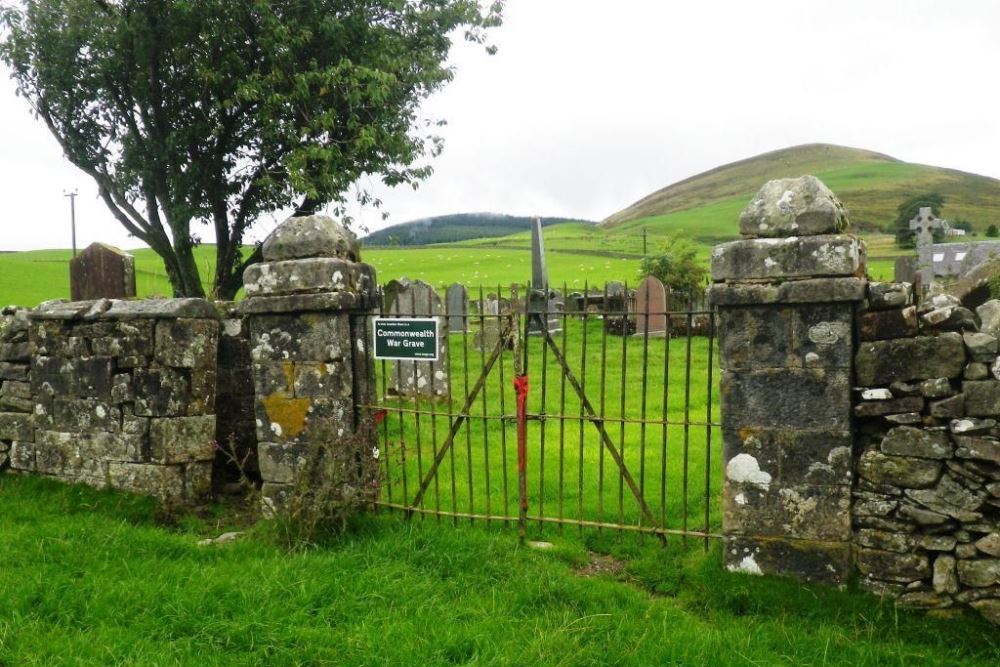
[616,432]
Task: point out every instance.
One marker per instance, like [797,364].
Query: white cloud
[591,104]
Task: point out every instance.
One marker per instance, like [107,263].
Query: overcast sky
[592,104]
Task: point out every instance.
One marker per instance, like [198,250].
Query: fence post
[306,308]
[787,295]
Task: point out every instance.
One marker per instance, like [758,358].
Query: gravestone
[424,379]
[905,269]
[457,299]
[615,310]
[541,300]
[651,306]
[101,271]
[924,224]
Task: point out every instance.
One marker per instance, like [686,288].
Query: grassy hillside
[454,228]
[870,184]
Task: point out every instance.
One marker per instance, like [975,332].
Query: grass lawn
[89,578]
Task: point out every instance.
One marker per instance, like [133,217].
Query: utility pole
[72,215]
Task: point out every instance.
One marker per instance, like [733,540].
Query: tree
[676,266]
[214,112]
[992,231]
[909,209]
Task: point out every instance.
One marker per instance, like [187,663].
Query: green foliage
[992,231]
[213,113]
[677,267]
[905,237]
[964,225]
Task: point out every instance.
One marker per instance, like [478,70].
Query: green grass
[88,578]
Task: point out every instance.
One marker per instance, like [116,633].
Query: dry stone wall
[122,394]
[17,434]
[926,513]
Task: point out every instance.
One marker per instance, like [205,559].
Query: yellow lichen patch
[288,413]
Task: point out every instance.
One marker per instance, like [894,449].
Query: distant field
[576,253]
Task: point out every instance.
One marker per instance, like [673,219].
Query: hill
[870,184]
[452,228]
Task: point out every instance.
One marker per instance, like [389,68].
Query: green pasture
[650,387]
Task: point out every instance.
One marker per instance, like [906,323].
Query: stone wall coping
[117,309]
[816,290]
[317,302]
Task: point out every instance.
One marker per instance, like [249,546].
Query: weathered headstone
[904,269]
[541,304]
[651,307]
[426,379]
[101,271]
[457,299]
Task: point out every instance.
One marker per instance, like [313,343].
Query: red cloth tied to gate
[521,387]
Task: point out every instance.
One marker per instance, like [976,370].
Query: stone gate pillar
[787,295]
[306,308]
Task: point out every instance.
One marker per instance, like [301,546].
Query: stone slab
[818,290]
[760,399]
[879,363]
[787,258]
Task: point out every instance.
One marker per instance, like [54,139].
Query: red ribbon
[521,387]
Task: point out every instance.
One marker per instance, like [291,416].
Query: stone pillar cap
[310,236]
[801,206]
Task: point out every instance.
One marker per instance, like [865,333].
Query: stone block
[981,346]
[950,498]
[191,308]
[318,274]
[982,398]
[794,457]
[817,290]
[784,258]
[902,471]
[981,448]
[805,560]
[280,463]
[760,399]
[310,236]
[891,406]
[161,392]
[198,480]
[989,317]
[284,419]
[159,481]
[889,296]
[203,392]
[772,510]
[322,380]
[22,456]
[880,363]
[887,324]
[884,540]
[182,439]
[12,371]
[948,408]
[791,207]
[128,342]
[891,566]
[908,441]
[187,343]
[979,573]
[312,337]
[84,415]
[16,426]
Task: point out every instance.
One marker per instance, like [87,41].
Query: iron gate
[587,416]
